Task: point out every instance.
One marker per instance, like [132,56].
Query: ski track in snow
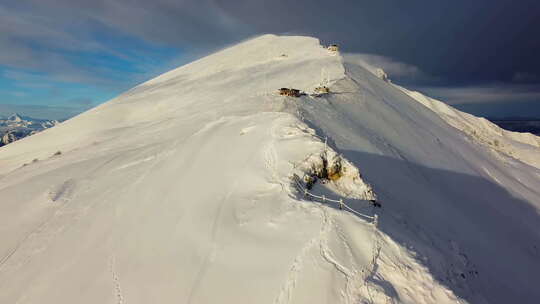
[210,255]
[354,278]
[37,240]
[271,159]
[287,290]
[116,281]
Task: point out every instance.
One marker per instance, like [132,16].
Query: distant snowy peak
[15,118]
[16,126]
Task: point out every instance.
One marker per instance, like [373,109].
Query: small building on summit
[320,90]
[333,48]
[382,74]
[290,92]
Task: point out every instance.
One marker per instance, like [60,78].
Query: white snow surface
[180,191]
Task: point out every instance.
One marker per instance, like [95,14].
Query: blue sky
[479,55]
[91,78]
[78,74]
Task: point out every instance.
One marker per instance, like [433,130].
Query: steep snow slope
[522,146]
[180,190]
[463,211]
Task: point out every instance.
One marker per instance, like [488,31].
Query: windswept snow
[181,190]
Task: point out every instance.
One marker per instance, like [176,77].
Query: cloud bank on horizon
[75,53]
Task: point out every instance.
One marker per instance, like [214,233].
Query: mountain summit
[15,117]
[274,171]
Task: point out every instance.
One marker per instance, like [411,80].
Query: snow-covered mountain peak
[267,51]
[16,127]
[206,185]
[15,117]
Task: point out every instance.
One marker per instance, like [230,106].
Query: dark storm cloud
[439,42]
[47,36]
[464,40]
[486,94]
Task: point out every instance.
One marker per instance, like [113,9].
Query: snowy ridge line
[324,199]
[325,138]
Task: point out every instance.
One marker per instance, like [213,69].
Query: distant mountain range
[40,111]
[16,126]
[529,125]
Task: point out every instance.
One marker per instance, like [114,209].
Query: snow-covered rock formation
[182,190]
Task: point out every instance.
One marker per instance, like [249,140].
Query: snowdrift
[182,190]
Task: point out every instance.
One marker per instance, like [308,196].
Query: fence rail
[324,199]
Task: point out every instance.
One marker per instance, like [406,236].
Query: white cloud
[498,93]
[395,69]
